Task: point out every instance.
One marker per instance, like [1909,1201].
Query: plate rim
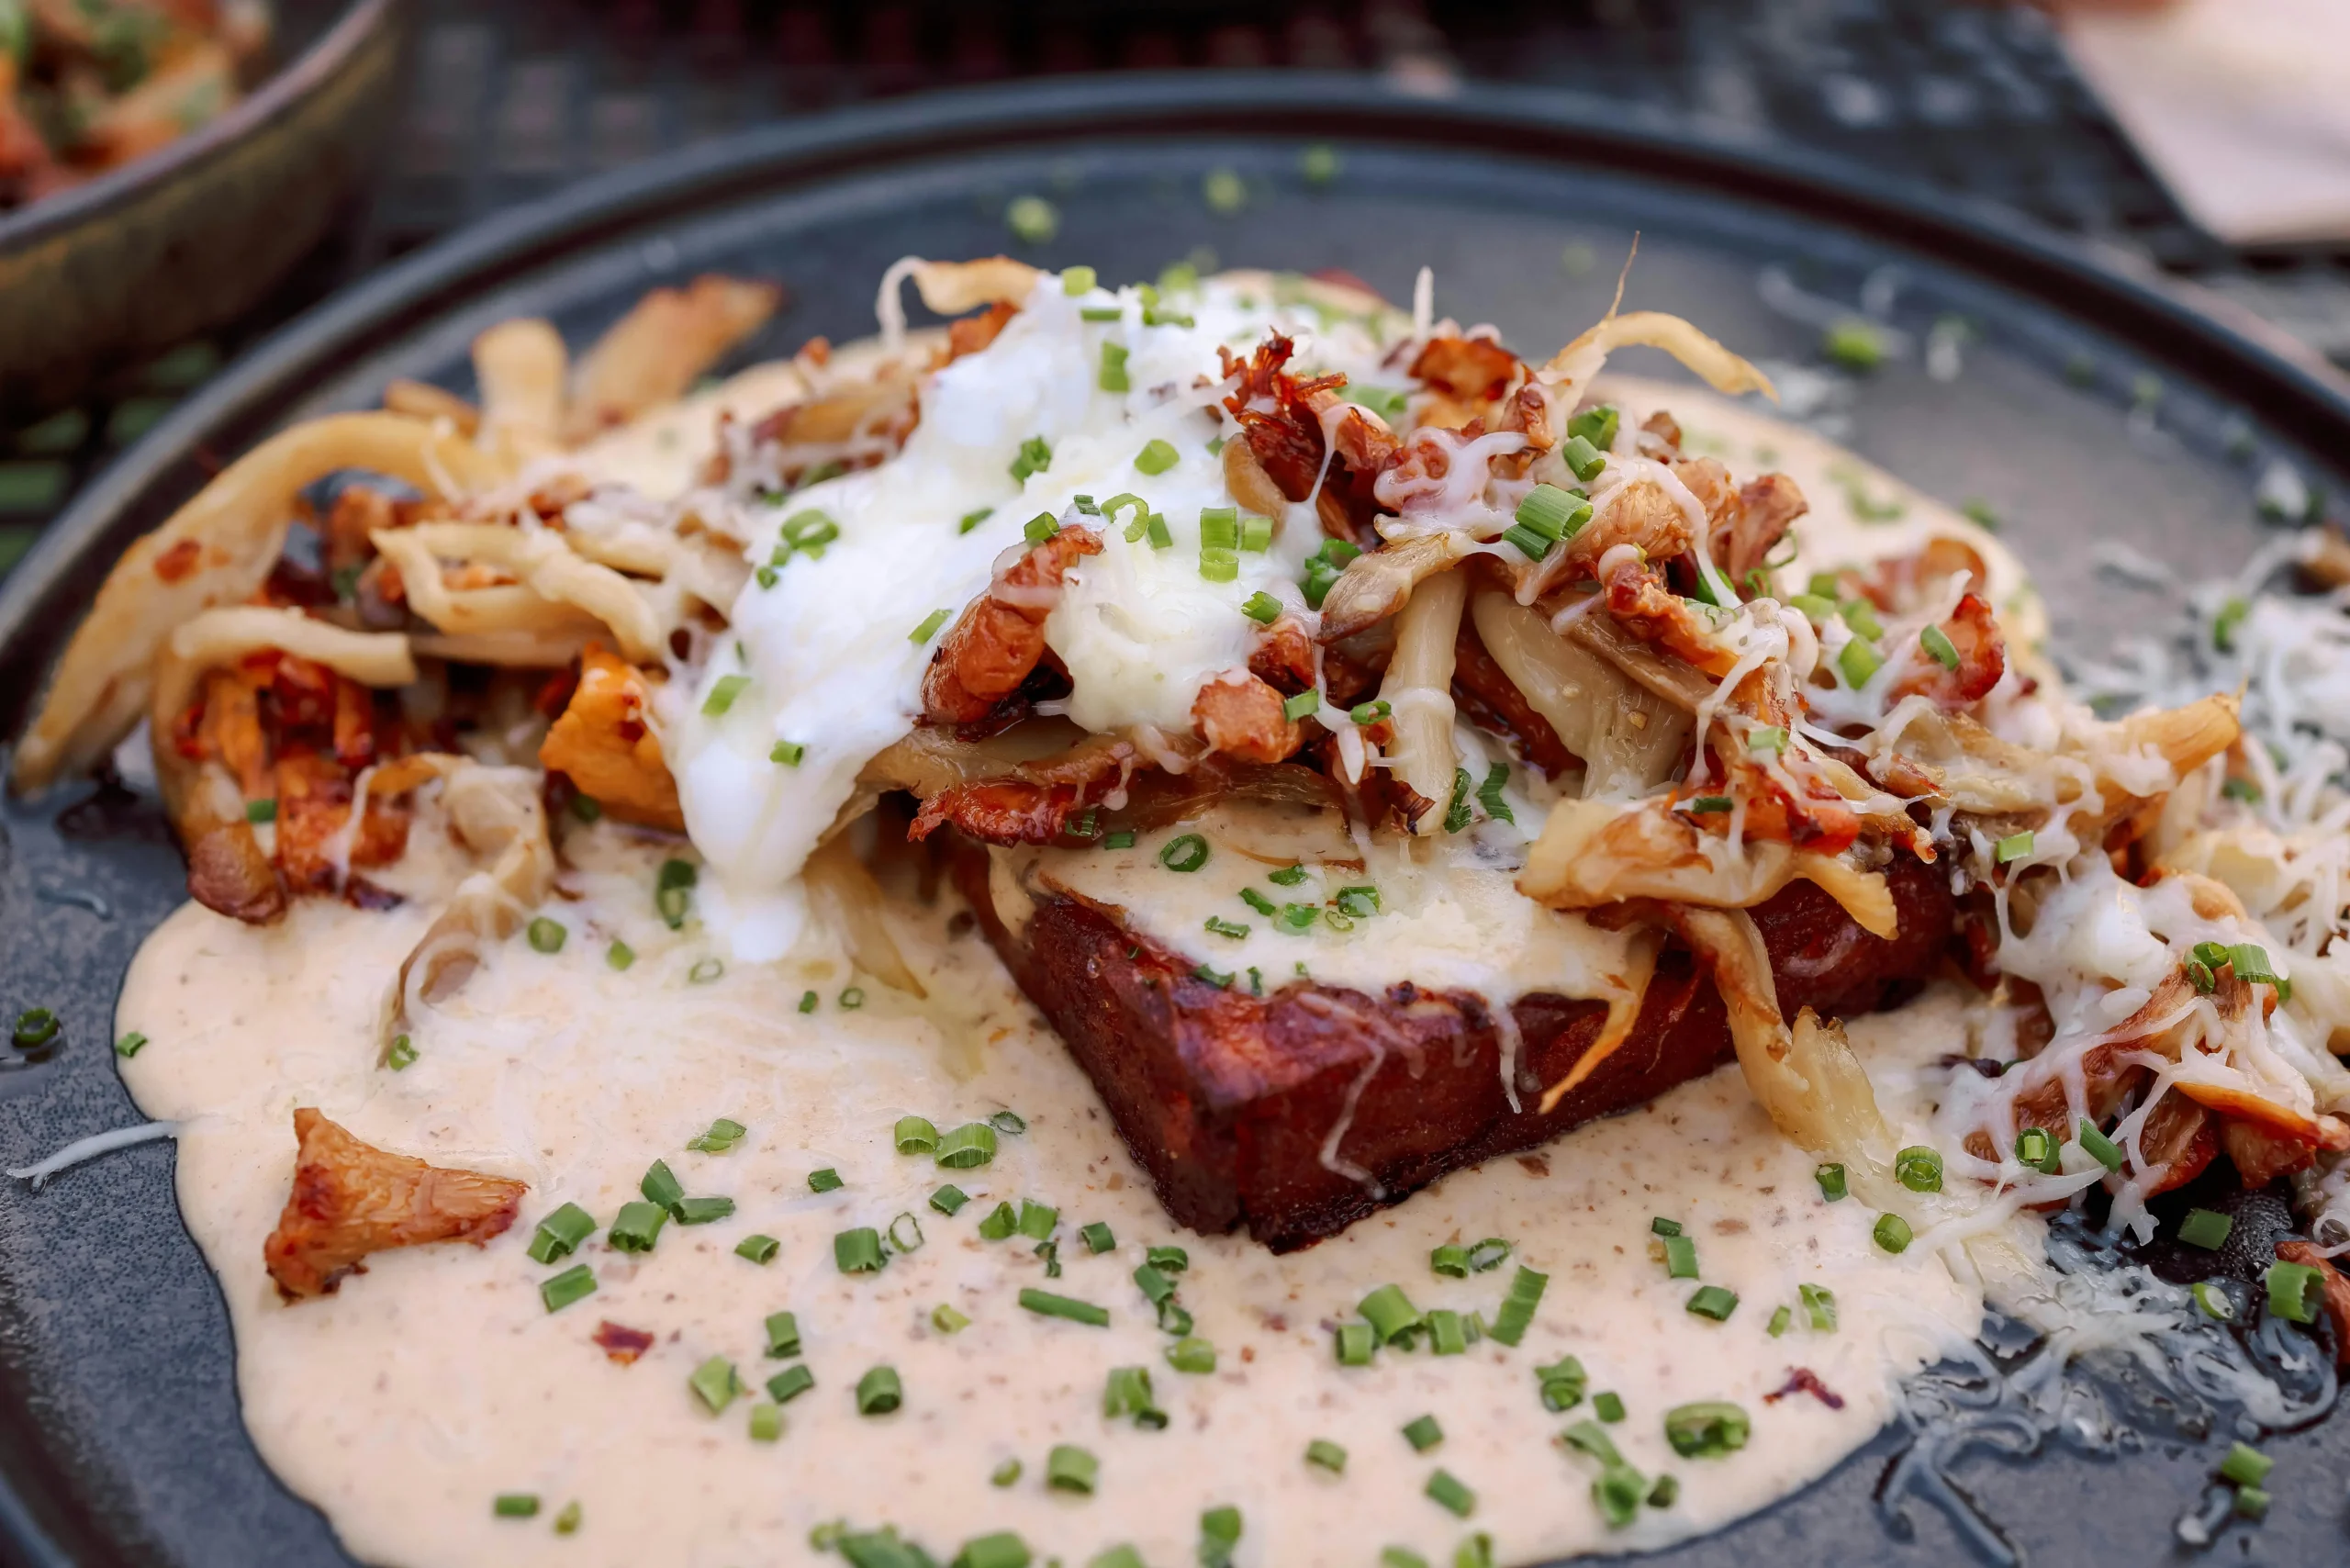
[42,600]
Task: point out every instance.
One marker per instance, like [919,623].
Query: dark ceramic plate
[119,1437]
[142,259]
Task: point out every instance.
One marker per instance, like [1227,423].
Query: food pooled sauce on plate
[620,1140]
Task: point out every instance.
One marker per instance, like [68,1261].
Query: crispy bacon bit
[621,1343]
[1281,418]
[1032,803]
[1489,699]
[358,511]
[1283,659]
[349,1199]
[1636,596]
[1903,583]
[606,748]
[178,561]
[1661,436]
[1803,1380]
[1241,716]
[314,806]
[1474,370]
[1744,539]
[1001,638]
[972,333]
[1973,631]
[2338,1290]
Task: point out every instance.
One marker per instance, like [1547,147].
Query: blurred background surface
[507,100]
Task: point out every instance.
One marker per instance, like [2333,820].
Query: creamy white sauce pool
[435,1380]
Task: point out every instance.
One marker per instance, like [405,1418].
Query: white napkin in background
[2241,106]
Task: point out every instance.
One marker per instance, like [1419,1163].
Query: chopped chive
[1262,608]
[1832,1186]
[716,1383]
[915,1135]
[1191,1354]
[259,812]
[2252,1503]
[1400,1557]
[966,1146]
[999,1223]
[904,1232]
[2036,1148]
[1219,1527]
[1001,1549]
[1366,714]
[1709,1428]
[2015,846]
[1781,1318]
[2098,1146]
[1680,1257]
[1047,1304]
[560,1234]
[1360,901]
[723,1135]
[1155,1286]
[1516,1313]
[1112,375]
[705,972]
[949,1199]
[1707,804]
[783,1334]
[1218,926]
[859,1251]
[723,694]
[1489,794]
[1041,529]
[2245,1465]
[1422,1434]
[2295,1291]
[1449,1260]
[826,1180]
[1305,705]
[1585,1437]
[1859,660]
[1167,1260]
[546,935]
[928,627]
[1259,901]
[1185,852]
[1098,1239]
[636,1228]
[515,1505]
[1256,533]
[1004,1474]
[2205,1229]
[1660,1225]
[1448,1332]
[1562,1383]
[1392,1315]
[879,1391]
[1552,514]
[1155,529]
[129,1045]
[575,1283]
[1218,563]
[619,955]
[767,1422]
[1771,737]
[1122,839]
[1287,877]
[702,1211]
[567,1519]
[1609,1407]
[1078,281]
[1892,1233]
[1919,1169]
[2250,961]
[1665,1492]
[1037,1221]
[1174,1318]
[2214,1301]
[1937,643]
[788,754]
[1007,1121]
[807,1002]
[1127,1393]
[1819,1306]
[1102,312]
[1448,1494]
[790,1384]
[1597,425]
[1156,457]
[1354,1343]
[946,1320]
[1457,815]
[1070,1469]
[758,1247]
[1328,1455]
[1035,456]
[971,520]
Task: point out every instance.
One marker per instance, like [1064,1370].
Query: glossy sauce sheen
[436,1379]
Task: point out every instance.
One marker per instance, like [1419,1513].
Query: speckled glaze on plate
[142,258]
[119,1436]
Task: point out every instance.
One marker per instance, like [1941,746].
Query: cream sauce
[436,1379]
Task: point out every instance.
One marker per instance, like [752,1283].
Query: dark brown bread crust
[1227,1099]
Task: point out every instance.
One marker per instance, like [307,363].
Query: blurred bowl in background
[137,261]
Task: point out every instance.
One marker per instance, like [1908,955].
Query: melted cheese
[828,648]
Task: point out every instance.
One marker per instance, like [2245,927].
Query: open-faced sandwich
[1372,754]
